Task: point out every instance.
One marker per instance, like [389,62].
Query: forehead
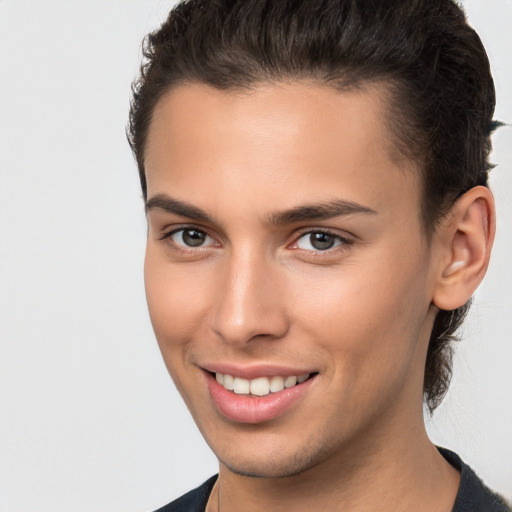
[309,141]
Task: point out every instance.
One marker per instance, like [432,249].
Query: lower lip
[253,409]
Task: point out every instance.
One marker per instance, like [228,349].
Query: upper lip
[254,370]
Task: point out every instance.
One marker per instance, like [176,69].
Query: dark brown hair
[434,66]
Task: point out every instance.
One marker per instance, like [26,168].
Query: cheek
[176,298]
[370,344]
[366,315]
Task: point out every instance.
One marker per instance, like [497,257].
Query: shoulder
[192,501]
[473,494]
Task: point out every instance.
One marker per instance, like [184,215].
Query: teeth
[276,384]
[241,386]
[260,386]
[290,381]
[228,382]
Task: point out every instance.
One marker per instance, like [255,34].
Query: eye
[319,241]
[190,237]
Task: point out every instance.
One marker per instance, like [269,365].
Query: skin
[256,291]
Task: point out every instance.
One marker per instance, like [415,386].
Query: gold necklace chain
[212,501]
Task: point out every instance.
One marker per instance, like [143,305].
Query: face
[288,278]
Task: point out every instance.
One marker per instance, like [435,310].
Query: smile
[257,398]
[259,386]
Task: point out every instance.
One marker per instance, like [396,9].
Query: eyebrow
[181,208]
[316,211]
[320,211]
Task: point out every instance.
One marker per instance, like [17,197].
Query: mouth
[260,386]
[260,398]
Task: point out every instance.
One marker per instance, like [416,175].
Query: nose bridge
[249,303]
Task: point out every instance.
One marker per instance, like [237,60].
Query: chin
[276,465]
[269,470]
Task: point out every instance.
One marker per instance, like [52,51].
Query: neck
[389,466]
[407,474]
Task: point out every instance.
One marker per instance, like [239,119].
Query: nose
[251,301]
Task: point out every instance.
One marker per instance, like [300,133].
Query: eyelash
[341,245]
[184,248]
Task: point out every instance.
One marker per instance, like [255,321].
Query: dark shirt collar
[472,496]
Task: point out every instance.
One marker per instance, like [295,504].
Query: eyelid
[345,240]
[167,236]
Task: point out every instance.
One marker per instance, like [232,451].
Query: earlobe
[467,235]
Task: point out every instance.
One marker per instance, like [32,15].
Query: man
[315,179]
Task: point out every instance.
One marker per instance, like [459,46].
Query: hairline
[406,161]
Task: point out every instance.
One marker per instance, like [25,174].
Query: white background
[89,419]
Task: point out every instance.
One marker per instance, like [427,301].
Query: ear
[465,239]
